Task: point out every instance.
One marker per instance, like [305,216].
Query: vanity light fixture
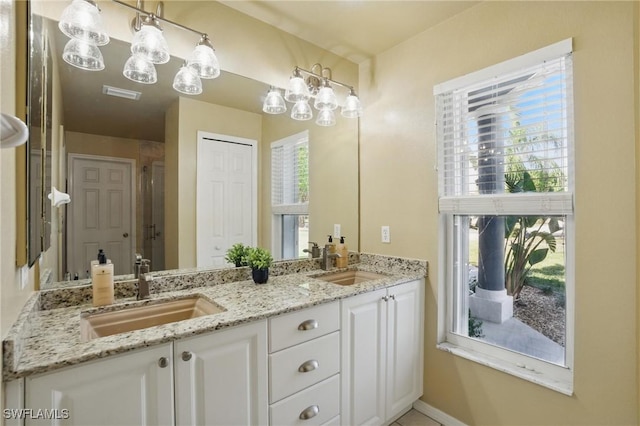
[318,85]
[274,102]
[187,81]
[81,21]
[149,42]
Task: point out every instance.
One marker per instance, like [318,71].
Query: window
[505,172]
[290,195]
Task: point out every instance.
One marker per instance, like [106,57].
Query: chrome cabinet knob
[186,356]
[163,362]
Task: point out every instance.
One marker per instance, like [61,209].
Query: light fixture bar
[160,18]
[320,77]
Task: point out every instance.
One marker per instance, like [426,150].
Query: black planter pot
[238,263]
[260,276]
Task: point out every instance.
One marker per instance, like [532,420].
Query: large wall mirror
[128,155]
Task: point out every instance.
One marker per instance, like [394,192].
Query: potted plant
[259,261]
[237,255]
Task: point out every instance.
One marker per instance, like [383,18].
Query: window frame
[553,376]
[279,211]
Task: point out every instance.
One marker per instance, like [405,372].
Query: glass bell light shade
[301,111]
[83,54]
[326,98]
[326,118]
[352,107]
[274,102]
[203,59]
[150,43]
[187,81]
[82,20]
[297,89]
[140,70]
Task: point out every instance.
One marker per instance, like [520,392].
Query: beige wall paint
[398,159]
[637,115]
[193,116]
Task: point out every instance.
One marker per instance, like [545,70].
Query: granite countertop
[46,335]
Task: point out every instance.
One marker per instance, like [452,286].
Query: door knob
[126,234]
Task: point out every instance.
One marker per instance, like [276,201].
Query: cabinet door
[404,346]
[131,389]
[221,377]
[364,329]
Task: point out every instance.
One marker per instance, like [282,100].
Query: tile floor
[415,418]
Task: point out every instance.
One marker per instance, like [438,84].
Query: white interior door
[157,215]
[226,196]
[102,212]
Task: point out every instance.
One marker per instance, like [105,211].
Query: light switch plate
[336,231]
[386,234]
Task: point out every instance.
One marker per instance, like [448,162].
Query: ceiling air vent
[121,93]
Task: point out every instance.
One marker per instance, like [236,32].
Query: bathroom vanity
[309,347]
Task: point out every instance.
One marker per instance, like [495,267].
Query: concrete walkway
[517,336]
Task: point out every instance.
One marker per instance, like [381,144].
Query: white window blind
[290,175]
[492,131]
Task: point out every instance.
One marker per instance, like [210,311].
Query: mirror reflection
[180,179]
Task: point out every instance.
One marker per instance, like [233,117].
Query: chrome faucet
[326,262]
[136,265]
[143,280]
[315,250]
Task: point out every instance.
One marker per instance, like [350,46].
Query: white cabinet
[304,367]
[130,389]
[382,353]
[221,377]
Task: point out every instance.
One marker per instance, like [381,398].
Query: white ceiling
[353,29]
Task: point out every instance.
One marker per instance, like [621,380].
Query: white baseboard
[437,415]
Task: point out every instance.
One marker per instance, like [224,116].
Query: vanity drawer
[297,327]
[313,406]
[303,365]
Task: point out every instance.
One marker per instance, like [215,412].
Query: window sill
[524,372]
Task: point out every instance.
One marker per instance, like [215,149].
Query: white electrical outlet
[336,231]
[386,235]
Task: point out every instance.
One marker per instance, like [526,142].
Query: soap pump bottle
[343,251]
[332,246]
[102,280]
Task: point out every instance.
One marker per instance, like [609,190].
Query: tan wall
[193,116]
[333,182]
[637,115]
[398,159]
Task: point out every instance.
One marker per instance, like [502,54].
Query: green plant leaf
[537,256]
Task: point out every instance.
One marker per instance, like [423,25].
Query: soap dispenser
[102,280]
[331,245]
[343,251]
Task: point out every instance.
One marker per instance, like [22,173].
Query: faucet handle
[315,245]
[138,258]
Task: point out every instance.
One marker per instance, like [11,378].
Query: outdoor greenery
[526,242]
[258,258]
[475,327]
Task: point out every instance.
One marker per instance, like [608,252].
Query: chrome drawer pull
[308,366]
[309,412]
[308,325]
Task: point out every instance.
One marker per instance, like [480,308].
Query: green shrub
[237,254]
[258,258]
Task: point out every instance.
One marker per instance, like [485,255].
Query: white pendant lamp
[82,20]
[150,43]
[187,81]
[203,59]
